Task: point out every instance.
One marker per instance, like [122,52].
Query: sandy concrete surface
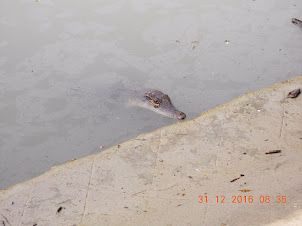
[159,178]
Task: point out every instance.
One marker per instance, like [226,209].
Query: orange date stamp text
[243,199]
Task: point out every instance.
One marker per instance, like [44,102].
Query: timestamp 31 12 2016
[243,199]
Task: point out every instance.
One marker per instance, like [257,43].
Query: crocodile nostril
[181,116]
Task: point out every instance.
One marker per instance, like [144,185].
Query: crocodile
[156,101]
[297,22]
[151,99]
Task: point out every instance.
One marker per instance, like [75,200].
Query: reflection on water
[65,69]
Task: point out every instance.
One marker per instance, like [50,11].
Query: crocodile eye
[156,104]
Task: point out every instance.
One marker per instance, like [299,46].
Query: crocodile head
[297,22]
[161,103]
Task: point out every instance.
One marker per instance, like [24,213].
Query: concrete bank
[212,170]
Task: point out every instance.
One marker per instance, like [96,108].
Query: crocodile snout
[181,116]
